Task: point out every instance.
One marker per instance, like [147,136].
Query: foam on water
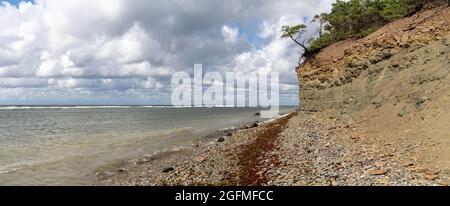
[76,107]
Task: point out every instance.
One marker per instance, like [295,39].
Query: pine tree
[295,33]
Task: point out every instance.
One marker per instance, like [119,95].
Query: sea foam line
[77,107]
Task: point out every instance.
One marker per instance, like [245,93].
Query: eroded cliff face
[393,85]
[387,66]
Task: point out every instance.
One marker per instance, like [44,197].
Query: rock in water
[221,139]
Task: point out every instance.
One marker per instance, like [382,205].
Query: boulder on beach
[168,169]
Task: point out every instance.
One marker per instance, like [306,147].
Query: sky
[125,51]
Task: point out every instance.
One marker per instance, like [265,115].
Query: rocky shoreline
[214,163]
[323,149]
[296,149]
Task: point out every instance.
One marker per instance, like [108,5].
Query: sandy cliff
[392,86]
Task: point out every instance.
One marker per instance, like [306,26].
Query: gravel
[292,150]
[311,154]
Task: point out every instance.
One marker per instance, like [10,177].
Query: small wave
[21,107]
[77,107]
[171,132]
[98,107]
[278,117]
[13,167]
[8,168]
[157,106]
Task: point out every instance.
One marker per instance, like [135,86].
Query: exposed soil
[392,87]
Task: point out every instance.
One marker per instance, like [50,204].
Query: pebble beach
[298,148]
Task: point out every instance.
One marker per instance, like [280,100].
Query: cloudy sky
[125,51]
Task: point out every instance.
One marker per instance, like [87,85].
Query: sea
[66,145]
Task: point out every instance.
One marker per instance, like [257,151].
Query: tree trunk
[300,44]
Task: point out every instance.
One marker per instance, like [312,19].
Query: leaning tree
[295,33]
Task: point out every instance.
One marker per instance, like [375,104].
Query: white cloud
[230,34]
[108,48]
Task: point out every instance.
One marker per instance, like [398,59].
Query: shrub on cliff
[358,18]
[353,19]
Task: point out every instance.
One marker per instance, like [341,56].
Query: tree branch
[300,44]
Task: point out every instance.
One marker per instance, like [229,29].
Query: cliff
[393,84]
